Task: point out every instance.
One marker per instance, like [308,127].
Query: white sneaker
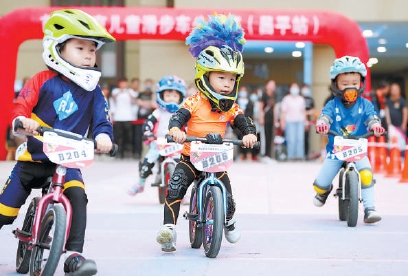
[167,237]
[231,233]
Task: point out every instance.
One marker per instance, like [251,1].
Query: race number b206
[215,160]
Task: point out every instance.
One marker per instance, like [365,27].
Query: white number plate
[349,149]
[211,158]
[68,152]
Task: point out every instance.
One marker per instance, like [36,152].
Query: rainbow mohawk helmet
[217,44]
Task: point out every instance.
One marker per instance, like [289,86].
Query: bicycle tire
[343,204]
[214,221]
[42,263]
[23,255]
[352,195]
[168,172]
[195,230]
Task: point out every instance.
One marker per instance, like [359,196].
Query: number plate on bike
[69,152]
[211,158]
[349,150]
[168,149]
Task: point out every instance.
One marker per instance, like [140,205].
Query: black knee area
[4,220]
[145,168]
[231,206]
[178,185]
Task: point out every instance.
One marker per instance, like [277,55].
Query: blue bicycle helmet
[347,64]
[170,83]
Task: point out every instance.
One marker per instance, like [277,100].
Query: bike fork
[349,169]
[211,179]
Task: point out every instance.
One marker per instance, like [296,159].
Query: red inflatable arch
[132,23]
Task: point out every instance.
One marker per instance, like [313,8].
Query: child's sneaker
[231,233]
[371,215]
[320,199]
[77,265]
[167,237]
[136,189]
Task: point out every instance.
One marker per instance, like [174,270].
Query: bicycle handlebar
[366,135]
[19,125]
[236,142]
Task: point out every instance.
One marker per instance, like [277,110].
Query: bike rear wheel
[214,221]
[352,195]
[23,254]
[195,230]
[168,171]
[46,254]
[343,204]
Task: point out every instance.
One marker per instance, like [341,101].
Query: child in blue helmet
[170,94]
[350,114]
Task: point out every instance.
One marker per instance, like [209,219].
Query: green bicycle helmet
[72,23]
[223,59]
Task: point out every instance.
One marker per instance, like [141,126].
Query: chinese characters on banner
[159,25]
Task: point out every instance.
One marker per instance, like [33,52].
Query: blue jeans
[295,140]
[331,167]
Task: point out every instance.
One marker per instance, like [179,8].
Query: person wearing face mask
[293,119]
[306,92]
[347,113]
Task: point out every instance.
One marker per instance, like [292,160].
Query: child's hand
[378,130]
[249,140]
[103,144]
[322,128]
[179,136]
[30,126]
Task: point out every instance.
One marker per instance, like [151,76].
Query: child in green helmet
[66,97]
[216,44]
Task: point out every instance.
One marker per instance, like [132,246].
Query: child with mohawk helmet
[216,43]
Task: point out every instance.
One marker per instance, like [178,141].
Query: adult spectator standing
[293,117]
[396,113]
[378,98]
[123,115]
[136,125]
[306,92]
[146,102]
[266,119]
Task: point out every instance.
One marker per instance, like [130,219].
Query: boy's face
[222,82]
[171,96]
[349,80]
[80,52]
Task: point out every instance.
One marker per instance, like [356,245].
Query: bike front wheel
[168,171]
[23,254]
[47,252]
[343,204]
[214,221]
[352,195]
[195,230]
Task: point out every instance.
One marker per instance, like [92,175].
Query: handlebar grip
[114,150]
[257,145]
[17,124]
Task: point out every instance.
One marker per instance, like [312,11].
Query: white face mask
[294,91]
[242,94]
[253,98]
[306,92]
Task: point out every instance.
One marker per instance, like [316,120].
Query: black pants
[184,174]
[123,133]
